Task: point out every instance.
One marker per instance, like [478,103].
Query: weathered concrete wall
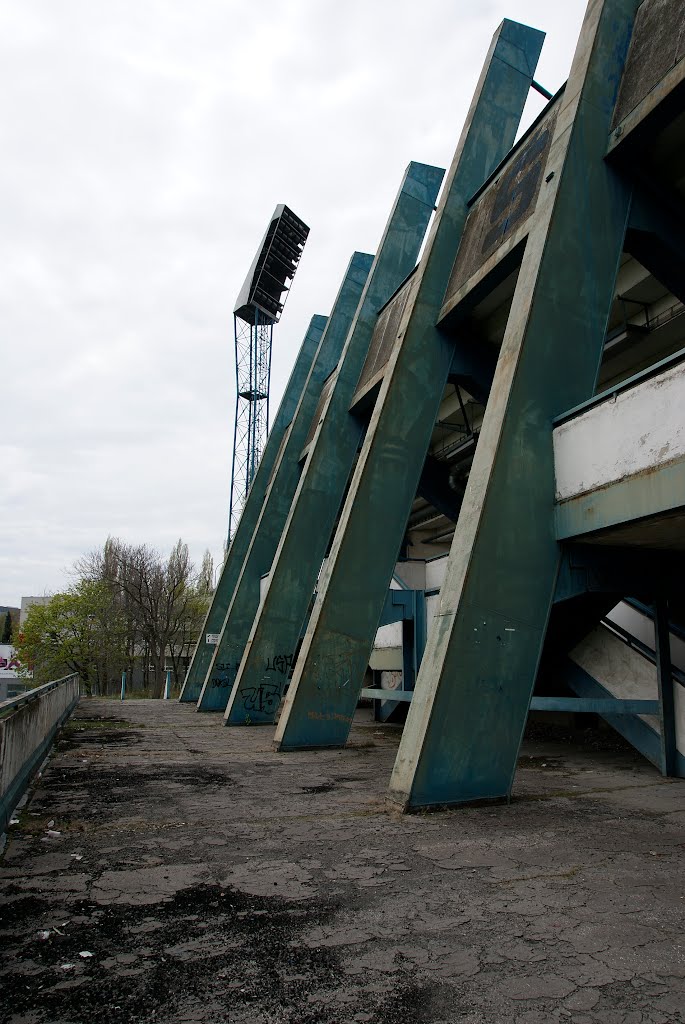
[412,573]
[627,675]
[642,628]
[432,605]
[27,733]
[622,437]
[389,636]
[435,572]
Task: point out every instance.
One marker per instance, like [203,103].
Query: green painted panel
[465,724]
[336,649]
[660,489]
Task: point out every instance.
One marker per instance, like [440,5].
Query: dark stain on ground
[97,730]
[209,946]
[111,787]
[323,788]
[418,1004]
[95,721]
[71,738]
[17,911]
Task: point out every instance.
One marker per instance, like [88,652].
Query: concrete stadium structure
[472,501]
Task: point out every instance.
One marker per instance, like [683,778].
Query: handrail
[643,649]
[625,385]
[658,320]
[648,612]
[666,315]
[12,703]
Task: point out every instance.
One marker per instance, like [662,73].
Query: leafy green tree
[79,631]
[7,630]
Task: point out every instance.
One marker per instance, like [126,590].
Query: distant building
[27,602]
[9,672]
[9,663]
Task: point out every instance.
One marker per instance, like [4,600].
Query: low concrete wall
[27,729]
[623,436]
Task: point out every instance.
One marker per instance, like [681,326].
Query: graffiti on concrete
[264,698]
[281,663]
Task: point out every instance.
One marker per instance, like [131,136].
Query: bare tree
[162,601]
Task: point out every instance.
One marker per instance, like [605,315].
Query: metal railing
[9,705]
[641,648]
[625,385]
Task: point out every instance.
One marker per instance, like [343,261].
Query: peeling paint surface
[637,430]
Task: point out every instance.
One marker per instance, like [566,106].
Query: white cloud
[145,145]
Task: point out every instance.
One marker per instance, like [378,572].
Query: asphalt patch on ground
[136,890]
[230,953]
[91,795]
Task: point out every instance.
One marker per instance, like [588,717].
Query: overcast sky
[144,146]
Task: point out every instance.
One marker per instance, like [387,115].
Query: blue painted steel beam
[595,705]
[664,677]
[409,608]
[392,696]
[473,365]
[399,605]
[635,730]
[576,705]
[437,489]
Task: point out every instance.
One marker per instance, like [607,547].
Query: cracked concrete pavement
[214,880]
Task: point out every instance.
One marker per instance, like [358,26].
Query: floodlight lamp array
[273,268]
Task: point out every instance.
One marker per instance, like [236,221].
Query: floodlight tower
[258,308]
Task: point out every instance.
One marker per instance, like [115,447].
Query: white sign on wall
[213,638]
[9,663]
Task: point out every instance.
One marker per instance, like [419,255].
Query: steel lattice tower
[251,425]
[258,308]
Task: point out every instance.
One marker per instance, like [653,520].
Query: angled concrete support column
[335,652]
[243,600]
[464,727]
[330,458]
[202,656]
